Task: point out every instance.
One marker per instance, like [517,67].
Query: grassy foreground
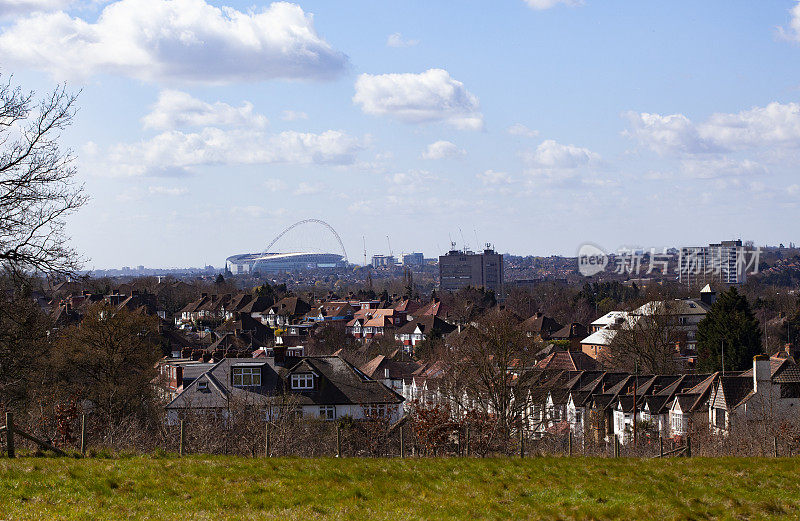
[208,487]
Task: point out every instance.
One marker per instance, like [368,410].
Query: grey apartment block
[459,269]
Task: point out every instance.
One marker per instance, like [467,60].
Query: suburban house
[285,311]
[764,397]
[422,328]
[539,327]
[678,318]
[324,387]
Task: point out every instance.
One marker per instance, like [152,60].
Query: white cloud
[306,188]
[175,40]
[275,185]
[164,190]
[18,7]
[716,167]
[490,178]
[793,190]
[793,31]
[552,155]
[518,129]
[419,98]
[175,109]
[256,211]
[664,134]
[442,150]
[413,181]
[776,124]
[397,40]
[293,115]
[175,153]
[547,4]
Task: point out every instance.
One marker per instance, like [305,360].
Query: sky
[206,128]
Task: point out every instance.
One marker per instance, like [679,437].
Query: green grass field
[208,487]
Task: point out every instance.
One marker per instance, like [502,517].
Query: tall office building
[413,259]
[459,269]
[723,262]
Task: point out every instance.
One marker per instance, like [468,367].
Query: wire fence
[251,435]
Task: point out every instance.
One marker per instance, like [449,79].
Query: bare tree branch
[37,182]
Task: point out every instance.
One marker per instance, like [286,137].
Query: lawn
[217,487]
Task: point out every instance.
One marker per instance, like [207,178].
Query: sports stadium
[306,245]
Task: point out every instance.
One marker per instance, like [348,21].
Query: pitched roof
[540,324]
[435,307]
[601,337]
[428,324]
[290,306]
[735,389]
[339,383]
[569,361]
[570,331]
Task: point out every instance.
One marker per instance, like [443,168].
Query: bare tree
[649,341]
[109,360]
[494,360]
[37,186]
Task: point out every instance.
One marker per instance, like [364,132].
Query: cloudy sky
[207,127]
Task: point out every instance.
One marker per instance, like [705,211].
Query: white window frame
[302,381]
[327,412]
[247,376]
[374,410]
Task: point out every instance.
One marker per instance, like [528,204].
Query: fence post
[775,442]
[616,447]
[10,434]
[660,446]
[569,443]
[182,440]
[339,440]
[83,435]
[521,443]
[466,445]
[688,446]
[402,442]
[266,440]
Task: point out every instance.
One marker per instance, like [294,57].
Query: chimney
[762,375]
[280,355]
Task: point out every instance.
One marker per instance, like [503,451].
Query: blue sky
[207,127]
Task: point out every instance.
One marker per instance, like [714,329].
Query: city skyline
[549,124]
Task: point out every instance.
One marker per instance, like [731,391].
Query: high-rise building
[380,261]
[723,262]
[413,259]
[459,269]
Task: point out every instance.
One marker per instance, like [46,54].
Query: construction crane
[391,254]
[364,240]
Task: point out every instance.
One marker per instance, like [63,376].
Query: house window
[719,417]
[677,423]
[327,412]
[202,386]
[246,376]
[303,381]
[374,410]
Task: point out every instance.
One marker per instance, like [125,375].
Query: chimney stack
[762,375]
[280,355]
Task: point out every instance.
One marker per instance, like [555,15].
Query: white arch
[305,221]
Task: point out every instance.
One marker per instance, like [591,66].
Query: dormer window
[246,376]
[302,381]
[202,386]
